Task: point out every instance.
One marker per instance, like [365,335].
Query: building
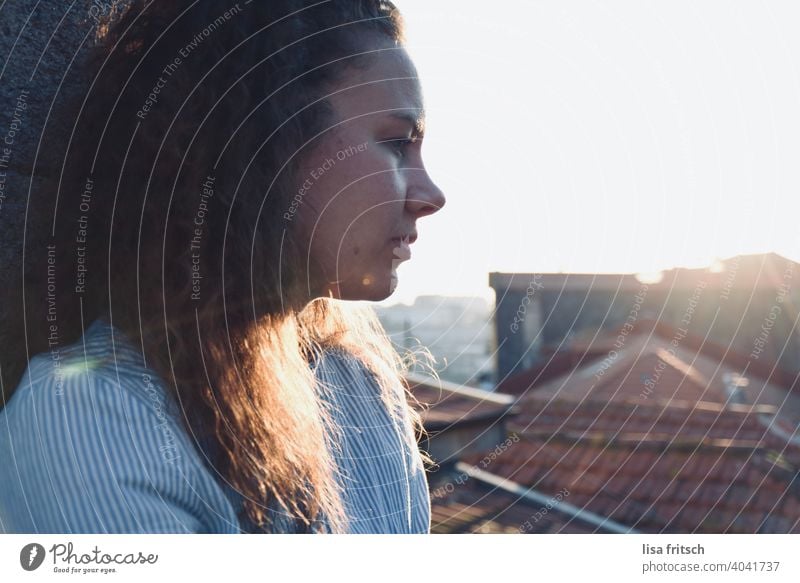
[457,332]
[748,303]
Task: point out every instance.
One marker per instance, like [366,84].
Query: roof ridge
[685,368]
[660,441]
[661,404]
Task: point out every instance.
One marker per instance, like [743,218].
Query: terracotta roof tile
[699,479]
[442,404]
[679,458]
[473,507]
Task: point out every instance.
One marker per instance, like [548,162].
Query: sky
[596,136]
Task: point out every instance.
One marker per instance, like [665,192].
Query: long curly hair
[169,222]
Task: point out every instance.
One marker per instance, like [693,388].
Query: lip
[402,248]
[409,238]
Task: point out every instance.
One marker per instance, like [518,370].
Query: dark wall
[43,49]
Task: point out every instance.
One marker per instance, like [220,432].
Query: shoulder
[89,449]
[75,399]
[100,378]
[340,365]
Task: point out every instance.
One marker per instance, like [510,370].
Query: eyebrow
[415,121]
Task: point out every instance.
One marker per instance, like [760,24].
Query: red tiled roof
[725,354]
[443,405]
[555,364]
[467,506]
[652,437]
[672,378]
[659,425]
[648,366]
[706,469]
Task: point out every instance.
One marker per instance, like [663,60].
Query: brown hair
[168,221]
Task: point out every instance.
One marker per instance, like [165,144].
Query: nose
[424,197]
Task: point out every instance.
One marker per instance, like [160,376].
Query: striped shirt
[90,442]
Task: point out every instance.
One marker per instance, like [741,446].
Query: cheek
[348,229]
[367,205]
[362,237]
[356,206]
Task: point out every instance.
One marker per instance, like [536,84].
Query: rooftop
[665,434]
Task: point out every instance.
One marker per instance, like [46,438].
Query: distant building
[457,331]
[748,303]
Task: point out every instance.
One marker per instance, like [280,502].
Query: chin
[377,295]
[373,291]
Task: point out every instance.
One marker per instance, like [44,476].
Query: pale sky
[598,136]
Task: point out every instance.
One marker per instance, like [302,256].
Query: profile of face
[363,183]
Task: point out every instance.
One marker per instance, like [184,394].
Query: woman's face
[362,186]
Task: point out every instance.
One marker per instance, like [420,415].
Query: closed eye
[399,145]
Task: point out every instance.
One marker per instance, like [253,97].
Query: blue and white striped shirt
[90,443]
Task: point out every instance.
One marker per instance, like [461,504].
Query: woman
[238,175]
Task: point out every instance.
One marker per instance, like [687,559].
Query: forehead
[385,82]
